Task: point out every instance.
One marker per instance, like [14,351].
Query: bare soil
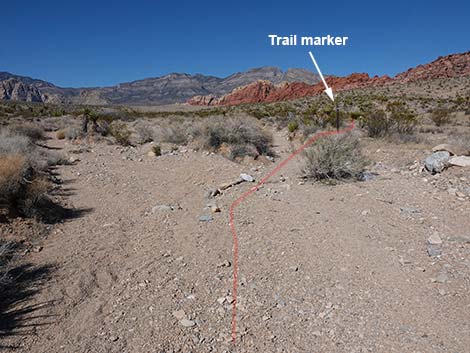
[323,268]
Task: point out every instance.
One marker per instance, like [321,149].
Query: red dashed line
[248,193]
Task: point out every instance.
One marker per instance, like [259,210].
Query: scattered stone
[403,261]
[247,177]
[179,314]
[113,338]
[437,162]
[453,150]
[221,300]
[187,323]
[157,208]
[460,161]
[205,218]
[214,208]
[442,291]
[365,212]
[266,318]
[433,251]
[442,277]
[367,176]
[434,239]
[37,249]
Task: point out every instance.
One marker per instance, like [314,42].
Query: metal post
[337,118]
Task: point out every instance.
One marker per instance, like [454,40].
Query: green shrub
[403,120]
[377,123]
[157,150]
[440,116]
[293,126]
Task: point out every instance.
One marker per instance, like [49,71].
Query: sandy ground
[323,268]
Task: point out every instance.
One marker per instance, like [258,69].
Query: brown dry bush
[335,157]
[244,134]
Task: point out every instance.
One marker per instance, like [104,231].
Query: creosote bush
[335,157]
[121,133]
[440,116]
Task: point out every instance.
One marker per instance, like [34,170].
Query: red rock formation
[445,66]
[264,91]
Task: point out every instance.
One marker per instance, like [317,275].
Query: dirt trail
[322,268]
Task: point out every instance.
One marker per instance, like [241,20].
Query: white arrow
[328,90]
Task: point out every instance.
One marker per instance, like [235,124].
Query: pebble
[179,314]
[434,239]
[433,251]
[205,218]
[442,277]
[247,177]
[187,323]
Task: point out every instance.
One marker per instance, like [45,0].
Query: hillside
[451,66]
[171,88]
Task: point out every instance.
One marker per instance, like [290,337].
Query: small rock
[187,323]
[433,251]
[247,177]
[214,208]
[179,314]
[437,162]
[453,150]
[221,300]
[113,338]
[205,218]
[265,318]
[434,239]
[460,161]
[157,208]
[37,249]
[365,212]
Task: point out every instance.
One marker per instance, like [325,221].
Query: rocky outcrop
[265,91]
[444,67]
[13,89]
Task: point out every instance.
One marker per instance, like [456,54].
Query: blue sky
[97,43]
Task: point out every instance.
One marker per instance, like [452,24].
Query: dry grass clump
[61,134]
[32,131]
[5,254]
[335,157]
[243,136]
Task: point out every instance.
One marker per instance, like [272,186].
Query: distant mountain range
[265,84]
[171,88]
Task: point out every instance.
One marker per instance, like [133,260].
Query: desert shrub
[32,131]
[177,133]
[13,169]
[12,143]
[157,150]
[73,133]
[334,157]
[236,131]
[145,133]
[402,119]
[376,123]
[21,187]
[121,133]
[240,151]
[440,116]
[293,126]
[61,134]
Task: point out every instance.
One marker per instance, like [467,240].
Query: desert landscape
[116,205]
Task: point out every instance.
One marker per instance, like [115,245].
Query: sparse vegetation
[440,116]
[335,157]
[121,133]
